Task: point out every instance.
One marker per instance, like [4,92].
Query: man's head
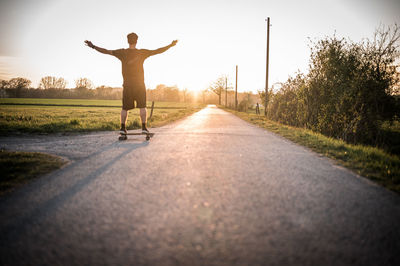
[132,38]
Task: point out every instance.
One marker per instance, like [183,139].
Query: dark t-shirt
[132,65]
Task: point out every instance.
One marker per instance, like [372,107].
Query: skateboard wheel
[147,137]
[122,138]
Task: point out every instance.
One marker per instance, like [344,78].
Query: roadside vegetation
[63,115]
[351,92]
[367,161]
[346,107]
[18,168]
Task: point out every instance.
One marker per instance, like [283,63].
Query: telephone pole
[236,88]
[226,91]
[266,74]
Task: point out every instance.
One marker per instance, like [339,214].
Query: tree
[50,82]
[171,94]
[218,87]
[18,84]
[185,94]
[104,92]
[349,92]
[22,83]
[159,92]
[261,94]
[3,84]
[203,95]
[383,51]
[285,104]
[83,83]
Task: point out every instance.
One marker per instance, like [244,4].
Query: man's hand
[89,43]
[173,43]
[98,49]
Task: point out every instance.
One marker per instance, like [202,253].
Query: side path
[208,190]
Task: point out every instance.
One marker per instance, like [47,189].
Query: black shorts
[130,94]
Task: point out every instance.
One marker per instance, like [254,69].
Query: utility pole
[266,74]
[236,88]
[226,91]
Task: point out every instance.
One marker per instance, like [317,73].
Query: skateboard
[124,136]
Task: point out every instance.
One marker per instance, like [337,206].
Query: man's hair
[132,38]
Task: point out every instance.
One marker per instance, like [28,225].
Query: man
[134,89]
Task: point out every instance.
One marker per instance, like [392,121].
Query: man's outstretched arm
[163,49]
[99,49]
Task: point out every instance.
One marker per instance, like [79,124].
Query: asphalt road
[208,190]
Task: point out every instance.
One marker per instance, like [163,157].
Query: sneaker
[122,131]
[145,130]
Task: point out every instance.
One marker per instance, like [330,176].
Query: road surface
[208,190]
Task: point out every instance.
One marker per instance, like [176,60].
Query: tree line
[224,90]
[55,87]
[351,90]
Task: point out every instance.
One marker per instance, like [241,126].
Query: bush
[348,92]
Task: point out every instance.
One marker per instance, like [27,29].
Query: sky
[45,37]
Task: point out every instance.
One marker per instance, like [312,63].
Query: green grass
[18,168]
[391,133]
[51,119]
[370,162]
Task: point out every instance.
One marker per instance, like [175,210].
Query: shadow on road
[17,228]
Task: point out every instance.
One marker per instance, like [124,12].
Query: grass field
[370,162]
[64,115]
[67,115]
[18,168]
